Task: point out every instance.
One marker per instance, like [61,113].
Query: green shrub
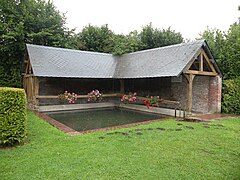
[231,96]
[12,115]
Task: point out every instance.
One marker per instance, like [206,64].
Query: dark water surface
[88,120]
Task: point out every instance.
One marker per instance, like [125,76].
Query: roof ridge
[67,49]
[102,53]
[169,46]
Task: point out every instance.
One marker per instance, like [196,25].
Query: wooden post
[122,86]
[201,62]
[36,92]
[190,78]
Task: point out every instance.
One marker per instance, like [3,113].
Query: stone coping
[71,107]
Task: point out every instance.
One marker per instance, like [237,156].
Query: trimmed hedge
[12,116]
[231,96]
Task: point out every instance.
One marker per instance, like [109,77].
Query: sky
[189,17]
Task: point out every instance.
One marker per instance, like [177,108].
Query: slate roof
[59,62]
[158,62]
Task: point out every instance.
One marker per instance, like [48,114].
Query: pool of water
[88,120]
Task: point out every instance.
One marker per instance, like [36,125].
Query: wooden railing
[176,104]
[79,96]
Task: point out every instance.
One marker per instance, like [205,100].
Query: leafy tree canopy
[26,21]
[102,39]
[153,37]
[225,47]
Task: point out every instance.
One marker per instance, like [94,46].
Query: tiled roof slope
[59,62]
[159,62]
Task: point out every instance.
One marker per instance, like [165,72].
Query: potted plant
[131,97]
[68,97]
[153,101]
[94,96]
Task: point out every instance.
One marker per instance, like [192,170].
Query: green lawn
[199,153]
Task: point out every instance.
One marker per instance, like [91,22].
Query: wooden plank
[79,96]
[201,73]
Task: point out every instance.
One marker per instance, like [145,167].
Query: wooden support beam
[208,61]
[30,90]
[28,75]
[190,78]
[201,73]
[36,91]
[201,62]
[122,90]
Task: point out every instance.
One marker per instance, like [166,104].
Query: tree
[11,46]
[153,38]
[127,43]
[26,21]
[230,63]
[93,38]
[225,47]
[102,39]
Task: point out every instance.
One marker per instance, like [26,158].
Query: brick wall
[206,94]
[201,94]
[215,94]
[179,92]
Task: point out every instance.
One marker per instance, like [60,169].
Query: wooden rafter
[202,57]
[201,62]
[208,61]
[206,73]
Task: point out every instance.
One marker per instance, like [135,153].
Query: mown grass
[199,153]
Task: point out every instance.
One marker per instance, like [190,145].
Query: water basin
[95,119]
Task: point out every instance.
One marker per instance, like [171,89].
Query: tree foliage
[26,21]
[127,43]
[102,39]
[153,37]
[231,96]
[93,38]
[225,47]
